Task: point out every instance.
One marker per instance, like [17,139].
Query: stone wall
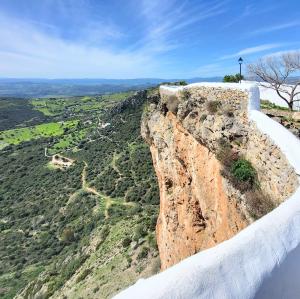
[278,179]
[200,208]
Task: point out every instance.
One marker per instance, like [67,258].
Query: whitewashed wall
[271,95]
[262,261]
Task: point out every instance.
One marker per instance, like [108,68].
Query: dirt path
[108,200]
[85,187]
[113,164]
[46,154]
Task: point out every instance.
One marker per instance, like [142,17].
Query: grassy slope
[39,205]
[58,106]
[16,136]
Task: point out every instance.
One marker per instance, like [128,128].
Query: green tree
[67,235]
[233,78]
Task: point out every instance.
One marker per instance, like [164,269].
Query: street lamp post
[240,62]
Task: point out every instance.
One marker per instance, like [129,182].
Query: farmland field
[16,136]
[60,106]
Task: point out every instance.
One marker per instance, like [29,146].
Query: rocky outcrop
[199,207]
[136,100]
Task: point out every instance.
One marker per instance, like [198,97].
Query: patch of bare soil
[61,162]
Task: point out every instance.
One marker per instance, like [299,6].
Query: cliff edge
[193,133]
[188,131]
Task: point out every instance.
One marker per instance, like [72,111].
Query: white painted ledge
[262,261]
[267,93]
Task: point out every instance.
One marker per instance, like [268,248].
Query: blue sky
[141,38]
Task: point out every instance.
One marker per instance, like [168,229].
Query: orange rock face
[199,208]
[195,211]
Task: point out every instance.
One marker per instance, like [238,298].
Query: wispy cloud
[95,48]
[276,27]
[165,19]
[212,69]
[279,53]
[250,10]
[247,11]
[207,69]
[252,50]
[140,38]
[27,51]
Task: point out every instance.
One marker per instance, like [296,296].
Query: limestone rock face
[199,208]
[195,212]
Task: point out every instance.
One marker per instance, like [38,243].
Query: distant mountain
[199,79]
[36,87]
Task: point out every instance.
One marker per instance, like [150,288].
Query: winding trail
[107,199]
[85,187]
[88,189]
[46,154]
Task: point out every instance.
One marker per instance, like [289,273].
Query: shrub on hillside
[258,203]
[243,176]
[143,253]
[126,242]
[104,232]
[225,153]
[83,275]
[153,221]
[67,235]
[243,171]
[213,106]
[140,232]
[185,94]
[238,170]
[152,241]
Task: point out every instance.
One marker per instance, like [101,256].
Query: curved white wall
[271,95]
[262,261]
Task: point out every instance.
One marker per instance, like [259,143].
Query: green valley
[72,232]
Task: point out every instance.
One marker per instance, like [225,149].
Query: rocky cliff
[192,132]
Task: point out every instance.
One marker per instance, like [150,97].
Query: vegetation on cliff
[217,119]
[243,176]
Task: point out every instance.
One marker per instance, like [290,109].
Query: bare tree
[276,71]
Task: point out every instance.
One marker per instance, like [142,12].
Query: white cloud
[250,11]
[279,53]
[165,19]
[213,69]
[26,51]
[96,49]
[252,50]
[247,11]
[276,27]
